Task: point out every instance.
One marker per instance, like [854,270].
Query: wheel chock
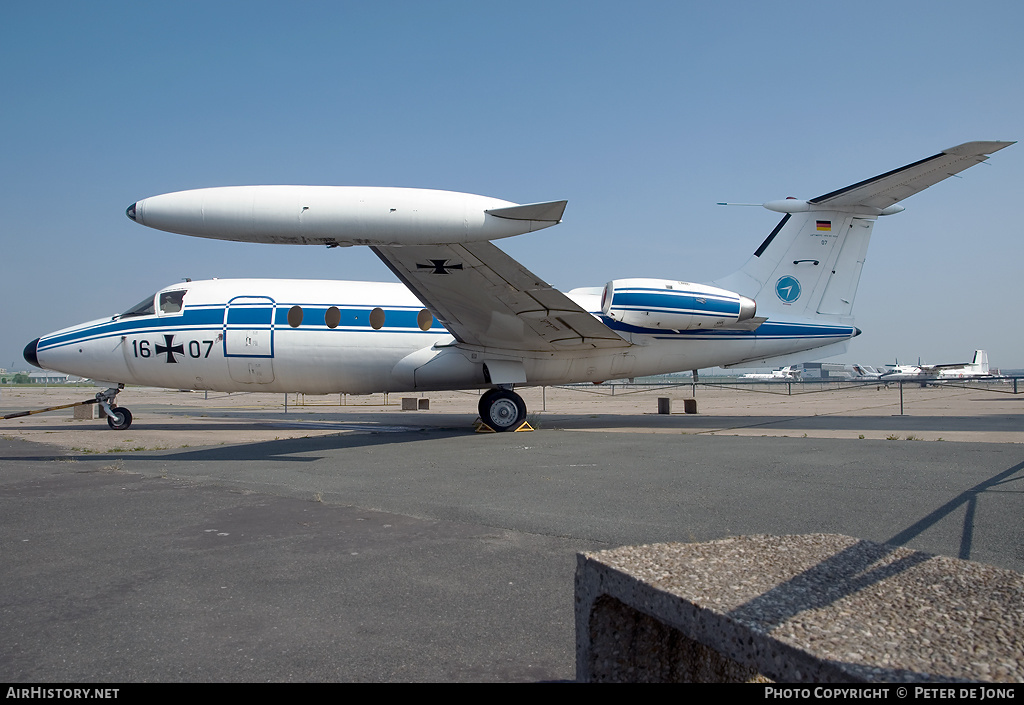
[480,427]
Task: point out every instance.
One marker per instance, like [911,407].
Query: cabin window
[171,301]
[425,319]
[295,316]
[143,308]
[332,317]
[377,318]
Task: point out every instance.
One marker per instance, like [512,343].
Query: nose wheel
[119,418]
[502,409]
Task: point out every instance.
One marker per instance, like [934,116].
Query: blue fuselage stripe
[663,301]
[396,320]
[769,330]
[196,318]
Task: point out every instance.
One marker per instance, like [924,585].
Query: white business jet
[466,315]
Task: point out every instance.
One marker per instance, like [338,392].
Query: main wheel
[502,410]
[121,420]
[485,403]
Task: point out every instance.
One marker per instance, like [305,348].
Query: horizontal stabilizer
[550,211]
[891,187]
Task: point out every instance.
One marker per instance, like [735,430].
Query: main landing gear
[118,417]
[502,410]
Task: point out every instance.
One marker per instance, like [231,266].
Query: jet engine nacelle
[674,305]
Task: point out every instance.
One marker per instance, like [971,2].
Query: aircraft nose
[130,211]
[30,353]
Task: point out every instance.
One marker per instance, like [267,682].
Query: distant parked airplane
[791,373]
[954,370]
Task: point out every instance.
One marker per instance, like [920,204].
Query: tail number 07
[194,349]
[142,348]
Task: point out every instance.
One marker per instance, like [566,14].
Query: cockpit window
[143,308]
[170,301]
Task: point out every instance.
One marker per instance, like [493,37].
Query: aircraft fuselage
[324,337]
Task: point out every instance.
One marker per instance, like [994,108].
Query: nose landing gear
[118,417]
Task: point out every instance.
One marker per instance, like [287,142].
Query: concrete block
[424,404]
[812,608]
[86,411]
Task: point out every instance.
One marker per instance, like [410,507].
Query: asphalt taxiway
[421,551]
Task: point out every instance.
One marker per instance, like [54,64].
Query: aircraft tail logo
[788,289]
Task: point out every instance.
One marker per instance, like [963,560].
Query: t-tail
[809,266]
[980,364]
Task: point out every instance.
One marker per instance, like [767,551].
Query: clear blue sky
[642,115]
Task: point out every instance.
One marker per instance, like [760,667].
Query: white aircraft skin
[262,352]
[466,315]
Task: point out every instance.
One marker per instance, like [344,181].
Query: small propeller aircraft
[978,367]
[466,315]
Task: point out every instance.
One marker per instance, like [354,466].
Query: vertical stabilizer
[981,362]
[808,266]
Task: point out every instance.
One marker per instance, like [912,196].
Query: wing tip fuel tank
[341,215]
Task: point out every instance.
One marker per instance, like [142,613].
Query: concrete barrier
[812,608]
[86,411]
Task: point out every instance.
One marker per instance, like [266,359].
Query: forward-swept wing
[487,299]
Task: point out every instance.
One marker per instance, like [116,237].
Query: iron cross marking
[439,266]
[169,348]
